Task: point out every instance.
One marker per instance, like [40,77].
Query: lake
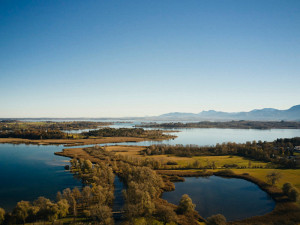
[212,136]
[30,171]
[232,197]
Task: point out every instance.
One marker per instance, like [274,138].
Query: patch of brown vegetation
[126,149]
[78,153]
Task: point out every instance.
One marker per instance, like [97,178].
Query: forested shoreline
[8,125]
[42,133]
[241,124]
[280,151]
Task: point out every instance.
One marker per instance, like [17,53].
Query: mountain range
[268,114]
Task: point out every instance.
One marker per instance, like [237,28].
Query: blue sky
[135,58]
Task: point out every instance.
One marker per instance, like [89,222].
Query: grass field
[219,161]
[287,175]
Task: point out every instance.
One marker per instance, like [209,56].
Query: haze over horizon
[163,114]
[147,58]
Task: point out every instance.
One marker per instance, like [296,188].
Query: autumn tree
[102,214]
[185,205]
[87,196]
[2,215]
[76,194]
[47,209]
[33,212]
[68,195]
[166,213]
[87,165]
[21,210]
[63,207]
[58,196]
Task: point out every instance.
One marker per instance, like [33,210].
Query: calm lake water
[212,136]
[30,171]
[234,198]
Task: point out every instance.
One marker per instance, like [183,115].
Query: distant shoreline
[242,124]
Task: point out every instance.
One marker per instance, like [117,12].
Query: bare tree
[273,177]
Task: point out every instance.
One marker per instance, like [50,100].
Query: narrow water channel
[119,200]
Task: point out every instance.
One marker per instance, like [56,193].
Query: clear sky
[135,58]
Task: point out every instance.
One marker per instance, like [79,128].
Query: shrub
[230,165]
[226,172]
[218,219]
[286,188]
[172,163]
[293,194]
[185,204]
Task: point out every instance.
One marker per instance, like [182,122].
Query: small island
[54,133]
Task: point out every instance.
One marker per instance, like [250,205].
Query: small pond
[234,198]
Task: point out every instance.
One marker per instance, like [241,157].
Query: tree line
[126,132]
[34,134]
[49,133]
[10,125]
[278,151]
[241,124]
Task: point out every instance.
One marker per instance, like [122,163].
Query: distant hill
[268,114]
